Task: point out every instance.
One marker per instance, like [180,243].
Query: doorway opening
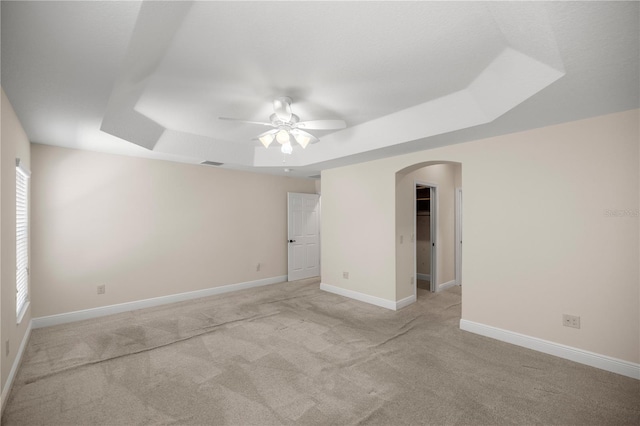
[428,228]
[426,216]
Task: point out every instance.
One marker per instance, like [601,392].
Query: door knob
[292,241]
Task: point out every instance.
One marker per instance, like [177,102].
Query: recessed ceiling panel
[356,61]
[405,76]
[413,69]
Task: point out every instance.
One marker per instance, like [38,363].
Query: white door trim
[433,232]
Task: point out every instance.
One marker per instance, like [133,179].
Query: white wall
[148,228]
[14,145]
[538,242]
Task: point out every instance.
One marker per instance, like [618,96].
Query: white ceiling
[151,79]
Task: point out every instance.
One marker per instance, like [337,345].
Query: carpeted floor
[292,354]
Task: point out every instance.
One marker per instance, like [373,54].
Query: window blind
[22,239]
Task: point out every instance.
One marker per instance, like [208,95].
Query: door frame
[433,234]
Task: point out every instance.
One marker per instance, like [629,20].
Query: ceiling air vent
[211,163]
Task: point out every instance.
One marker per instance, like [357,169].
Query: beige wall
[443,176]
[14,145]
[534,217]
[148,228]
[358,230]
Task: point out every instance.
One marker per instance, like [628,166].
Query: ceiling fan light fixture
[282,137]
[266,139]
[303,140]
[286,148]
[284,124]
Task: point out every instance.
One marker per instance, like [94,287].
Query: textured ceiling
[151,79]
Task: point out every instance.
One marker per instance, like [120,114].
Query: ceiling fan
[286,124]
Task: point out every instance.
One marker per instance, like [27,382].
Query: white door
[304,235]
[433,232]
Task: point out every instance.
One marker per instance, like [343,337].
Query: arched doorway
[428,193]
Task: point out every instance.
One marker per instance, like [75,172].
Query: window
[22,239]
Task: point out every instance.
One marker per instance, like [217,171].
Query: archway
[444,178]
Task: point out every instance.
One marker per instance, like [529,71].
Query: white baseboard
[581,356]
[6,388]
[424,277]
[148,303]
[447,285]
[405,302]
[373,300]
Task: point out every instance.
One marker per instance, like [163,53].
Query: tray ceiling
[151,79]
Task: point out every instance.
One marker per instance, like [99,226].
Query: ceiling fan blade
[282,108]
[322,124]
[245,121]
[303,138]
[268,132]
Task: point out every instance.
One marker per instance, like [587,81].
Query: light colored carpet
[292,354]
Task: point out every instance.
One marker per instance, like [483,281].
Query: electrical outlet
[101,289]
[571,321]
[345,275]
